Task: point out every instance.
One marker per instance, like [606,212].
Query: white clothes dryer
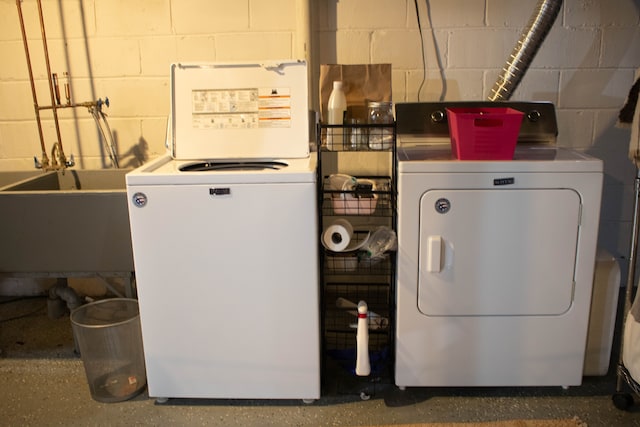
[495,258]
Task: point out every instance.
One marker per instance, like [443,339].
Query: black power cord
[443,79]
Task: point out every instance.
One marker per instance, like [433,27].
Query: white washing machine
[495,258]
[224,232]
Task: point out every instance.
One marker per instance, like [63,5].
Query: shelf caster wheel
[308,401]
[565,387]
[622,401]
[161,400]
[364,396]
[402,387]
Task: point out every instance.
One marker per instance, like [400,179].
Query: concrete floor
[43,383]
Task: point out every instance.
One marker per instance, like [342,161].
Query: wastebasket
[108,335]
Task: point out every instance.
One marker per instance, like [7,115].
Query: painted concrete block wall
[122,50]
[586,67]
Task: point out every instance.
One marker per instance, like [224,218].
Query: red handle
[486,123]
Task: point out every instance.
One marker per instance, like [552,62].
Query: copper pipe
[45,158]
[67,88]
[88,104]
[56,87]
[51,89]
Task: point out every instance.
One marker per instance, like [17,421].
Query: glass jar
[380,113]
[357,134]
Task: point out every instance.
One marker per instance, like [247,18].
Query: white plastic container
[602,318]
[336,110]
[347,203]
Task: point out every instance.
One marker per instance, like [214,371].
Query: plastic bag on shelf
[382,239]
[342,182]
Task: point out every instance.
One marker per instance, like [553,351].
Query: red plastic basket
[489,133]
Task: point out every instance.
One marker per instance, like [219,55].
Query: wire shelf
[360,137]
[378,201]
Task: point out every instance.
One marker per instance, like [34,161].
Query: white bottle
[336,109]
[363,367]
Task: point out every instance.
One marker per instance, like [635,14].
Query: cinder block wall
[122,49]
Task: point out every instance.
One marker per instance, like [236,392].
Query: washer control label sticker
[139,200]
[443,205]
[241,108]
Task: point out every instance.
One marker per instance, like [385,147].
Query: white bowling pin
[363,367]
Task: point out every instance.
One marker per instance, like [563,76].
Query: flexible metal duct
[526,48]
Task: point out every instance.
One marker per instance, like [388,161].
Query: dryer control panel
[429,119]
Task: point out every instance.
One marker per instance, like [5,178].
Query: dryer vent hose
[526,48]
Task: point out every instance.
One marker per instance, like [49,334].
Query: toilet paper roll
[337,236]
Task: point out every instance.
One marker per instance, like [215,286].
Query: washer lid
[165,170]
[208,166]
[239,110]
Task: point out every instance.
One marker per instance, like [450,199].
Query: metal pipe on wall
[61,156]
[302,48]
[58,158]
[526,48]
[45,157]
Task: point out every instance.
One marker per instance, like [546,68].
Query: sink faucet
[57,156]
[58,159]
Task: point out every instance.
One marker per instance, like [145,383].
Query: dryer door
[497,252]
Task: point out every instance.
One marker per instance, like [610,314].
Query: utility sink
[66,221]
[12,177]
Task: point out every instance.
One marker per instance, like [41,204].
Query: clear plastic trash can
[109,338]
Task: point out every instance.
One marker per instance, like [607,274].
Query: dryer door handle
[434,254]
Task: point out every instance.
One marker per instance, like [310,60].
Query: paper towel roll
[337,236]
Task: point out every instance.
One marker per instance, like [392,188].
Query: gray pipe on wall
[59,294]
[526,48]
